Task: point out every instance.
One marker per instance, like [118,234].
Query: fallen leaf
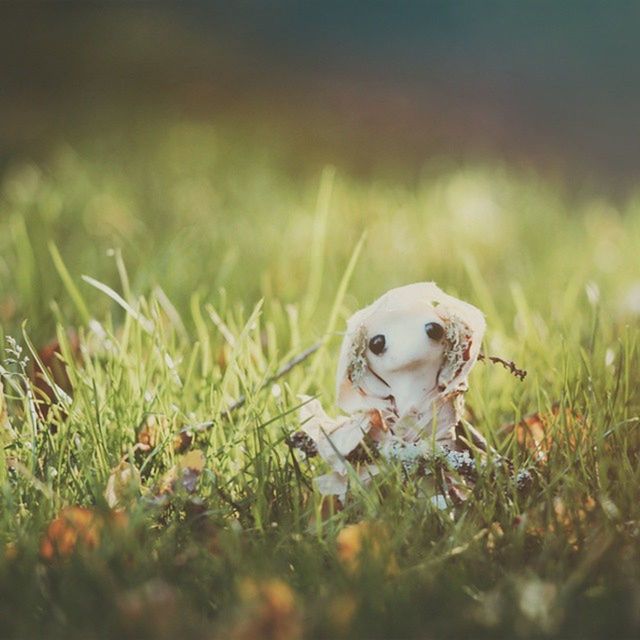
[182,441]
[269,612]
[571,522]
[350,541]
[189,479]
[56,369]
[184,474]
[193,460]
[148,431]
[364,540]
[77,528]
[122,486]
[534,432]
[74,527]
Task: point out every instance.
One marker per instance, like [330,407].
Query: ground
[148,284]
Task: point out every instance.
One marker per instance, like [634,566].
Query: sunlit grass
[180,273]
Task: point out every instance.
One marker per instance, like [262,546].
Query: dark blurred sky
[555,84]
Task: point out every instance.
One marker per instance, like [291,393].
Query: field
[147,284]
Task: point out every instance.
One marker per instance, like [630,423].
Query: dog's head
[414,338]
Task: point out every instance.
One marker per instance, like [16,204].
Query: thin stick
[507,364]
[283,371]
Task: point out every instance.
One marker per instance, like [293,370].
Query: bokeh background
[194,138]
[370,85]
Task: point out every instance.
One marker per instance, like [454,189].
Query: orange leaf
[77,528]
[148,431]
[357,540]
[74,527]
[269,612]
[533,432]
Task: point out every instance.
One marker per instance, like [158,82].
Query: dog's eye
[377,344]
[434,330]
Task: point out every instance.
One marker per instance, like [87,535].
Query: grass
[178,272]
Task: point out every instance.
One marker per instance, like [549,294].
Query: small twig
[507,364]
[283,371]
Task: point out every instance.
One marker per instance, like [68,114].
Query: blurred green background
[380,84]
[181,133]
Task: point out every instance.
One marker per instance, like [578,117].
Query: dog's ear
[357,389]
[464,330]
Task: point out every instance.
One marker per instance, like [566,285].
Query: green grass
[208,264]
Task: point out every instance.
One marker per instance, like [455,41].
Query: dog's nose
[434,330]
[377,344]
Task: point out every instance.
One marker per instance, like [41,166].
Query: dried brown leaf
[149,430]
[56,370]
[534,432]
[76,528]
[184,474]
[123,485]
[355,542]
[269,612]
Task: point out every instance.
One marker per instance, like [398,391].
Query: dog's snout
[377,344]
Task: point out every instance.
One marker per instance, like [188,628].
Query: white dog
[402,373]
